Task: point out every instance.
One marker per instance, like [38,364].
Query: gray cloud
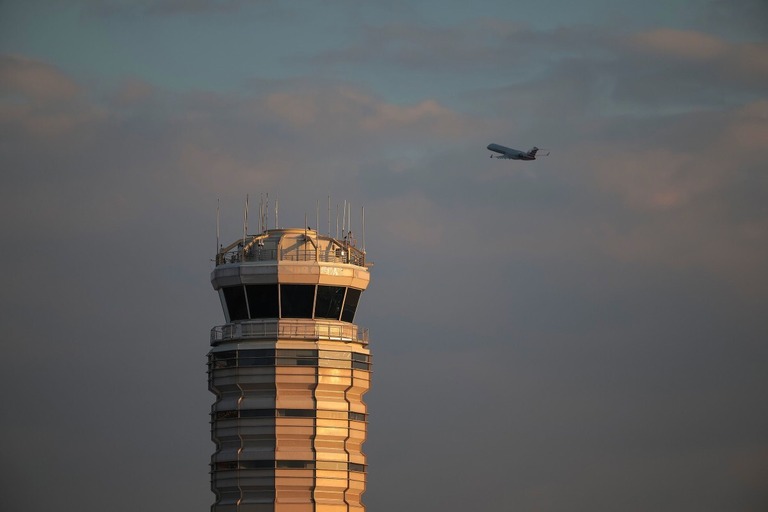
[34,80]
[659,68]
[483,44]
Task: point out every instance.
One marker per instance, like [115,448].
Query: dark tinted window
[265,413]
[350,305]
[296,358]
[223,359]
[231,358]
[263,357]
[295,413]
[256,464]
[295,464]
[262,300]
[235,299]
[296,300]
[258,352]
[361,361]
[257,413]
[227,415]
[329,299]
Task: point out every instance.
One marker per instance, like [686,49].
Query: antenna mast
[245,220]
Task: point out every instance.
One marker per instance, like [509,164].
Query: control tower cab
[289,369]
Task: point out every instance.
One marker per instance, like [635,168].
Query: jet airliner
[514,154]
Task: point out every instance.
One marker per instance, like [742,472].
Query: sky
[583,332]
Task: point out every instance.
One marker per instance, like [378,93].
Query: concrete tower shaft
[289,370]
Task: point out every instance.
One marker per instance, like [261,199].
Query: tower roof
[292,244]
[292,255]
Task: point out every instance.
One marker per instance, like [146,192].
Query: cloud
[34,80]
[742,62]
[674,69]
[687,45]
[202,141]
[41,99]
[354,111]
[133,91]
[661,68]
[486,44]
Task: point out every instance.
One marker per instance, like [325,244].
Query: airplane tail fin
[534,150]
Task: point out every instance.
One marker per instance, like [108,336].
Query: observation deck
[293,328]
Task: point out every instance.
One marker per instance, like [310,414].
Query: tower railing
[351,255]
[292,244]
[290,329]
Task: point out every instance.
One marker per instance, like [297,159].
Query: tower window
[295,464]
[350,305]
[357,467]
[296,300]
[262,300]
[361,361]
[234,296]
[329,300]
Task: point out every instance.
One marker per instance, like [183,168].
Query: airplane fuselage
[512,154]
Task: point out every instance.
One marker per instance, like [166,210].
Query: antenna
[344,220]
[337,221]
[266,212]
[329,215]
[317,217]
[277,199]
[245,220]
[349,223]
[218,202]
[363,230]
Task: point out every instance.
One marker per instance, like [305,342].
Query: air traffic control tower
[289,369]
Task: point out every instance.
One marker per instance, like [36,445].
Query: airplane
[514,154]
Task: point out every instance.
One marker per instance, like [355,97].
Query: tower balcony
[291,328]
